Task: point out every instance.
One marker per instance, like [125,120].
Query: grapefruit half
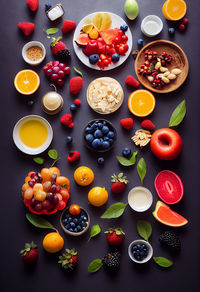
[166,216]
[169,187]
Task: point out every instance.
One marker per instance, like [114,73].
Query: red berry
[61,74]
[54,77]
[62,66]
[77,102]
[185,21]
[45,68]
[55,63]
[66,70]
[55,69]
[48,72]
[182,27]
[60,82]
[124,38]
[49,65]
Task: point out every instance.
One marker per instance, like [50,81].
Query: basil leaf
[144,229]
[114,211]
[51,30]
[95,230]
[127,162]
[141,169]
[39,222]
[178,114]
[77,71]
[95,265]
[53,154]
[39,160]
[163,262]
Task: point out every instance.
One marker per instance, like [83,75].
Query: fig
[82,39]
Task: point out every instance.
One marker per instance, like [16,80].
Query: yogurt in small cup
[140,199]
[151,25]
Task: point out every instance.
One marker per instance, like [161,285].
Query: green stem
[55,162]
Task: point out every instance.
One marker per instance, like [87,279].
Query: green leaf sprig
[51,30]
[38,160]
[53,154]
[39,222]
[163,262]
[141,169]
[178,114]
[127,162]
[95,266]
[78,72]
[114,211]
[95,230]
[144,229]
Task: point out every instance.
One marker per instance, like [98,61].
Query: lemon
[97,196]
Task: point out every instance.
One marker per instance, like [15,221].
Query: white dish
[140,241]
[140,199]
[33,44]
[151,25]
[117,21]
[28,150]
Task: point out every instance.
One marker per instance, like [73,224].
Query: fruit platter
[102,41]
[100,168]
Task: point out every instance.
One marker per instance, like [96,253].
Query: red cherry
[61,74]
[182,27]
[124,38]
[45,68]
[55,69]
[126,47]
[54,77]
[49,65]
[117,40]
[55,63]
[61,66]
[60,82]
[185,21]
[66,70]
[48,72]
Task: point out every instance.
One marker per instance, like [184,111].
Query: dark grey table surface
[15,230]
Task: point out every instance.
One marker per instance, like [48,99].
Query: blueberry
[82,216]
[110,140]
[75,230]
[106,138]
[75,220]
[111,134]
[83,224]
[71,229]
[67,226]
[143,246]
[105,144]
[78,228]
[47,6]
[171,31]
[98,134]
[88,130]
[65,221]
[89,138]
[104,123]
[124,27]
[100,125]
[105,130]
[142,254]
[73,107]
[30,102]
[96,143]
[115,57]
[140,42]
[126,152]
[134,247]
[138,246]
[138,258]
[69,219]
[72,224]
[93,59]
[69,139]
[94,126]
[100,160]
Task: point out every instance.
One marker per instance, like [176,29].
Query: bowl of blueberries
[74,223]
[140,251]
[99,135]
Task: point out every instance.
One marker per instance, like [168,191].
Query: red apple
[166,144]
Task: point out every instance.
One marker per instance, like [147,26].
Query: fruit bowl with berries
[46,192]
[102,41]
[99,135]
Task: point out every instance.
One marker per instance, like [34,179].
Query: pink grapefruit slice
[169,187]
[165,215]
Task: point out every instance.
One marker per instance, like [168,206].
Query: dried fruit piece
[141,137]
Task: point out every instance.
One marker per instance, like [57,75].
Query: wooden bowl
[179,61]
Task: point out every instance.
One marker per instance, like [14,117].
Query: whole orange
[97,196]
[83,176]
[53,242]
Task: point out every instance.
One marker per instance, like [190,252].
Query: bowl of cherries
[45,192]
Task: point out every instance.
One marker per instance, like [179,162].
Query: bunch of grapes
[56,71]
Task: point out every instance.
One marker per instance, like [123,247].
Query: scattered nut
[163,69]
[160,75]
[158,65]
[166,73]
[171,76]
[165,80]
[150,78]
[141,137]
[176,71]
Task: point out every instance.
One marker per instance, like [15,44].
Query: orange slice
[165,215]
[27,81]
[174,9]
[141,103]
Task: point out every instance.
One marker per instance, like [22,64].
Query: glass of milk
[140,199]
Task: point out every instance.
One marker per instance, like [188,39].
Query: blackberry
[111,261]
[171,240]
[63,55]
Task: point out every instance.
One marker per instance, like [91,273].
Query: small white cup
[137,197]
[151,25]
[140,241]
[33,44]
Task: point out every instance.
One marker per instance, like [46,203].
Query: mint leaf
[141,169]
[51,30]
[178,114]
[114,211]
[39,160]
[95,230]
[39,222]
[95,265]
[144,229]
[163,262]
[53,154]
[127,162]
[77,71]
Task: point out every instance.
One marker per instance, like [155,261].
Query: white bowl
[29,45]
[140,199]
[151,25]
[28,150]
[140,241]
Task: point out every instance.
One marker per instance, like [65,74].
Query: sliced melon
[106,22]
[109,35]
[97,20]
[165,215]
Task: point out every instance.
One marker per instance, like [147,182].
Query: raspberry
[131,81]
[73,156]
[67,120]
[127,123]
[148,125]
[77,102]
[75,85]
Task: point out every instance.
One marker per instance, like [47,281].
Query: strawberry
[67,120]
[73,156]
[148,125]
[26,27]
[118,183]
[32,4]
[115,236]
[131,81]
[57,45]
[127,123]
[69,260]
[30,253]
[77,102]
[68,26]
[75,85]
